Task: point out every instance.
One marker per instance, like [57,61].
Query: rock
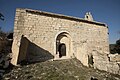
[29,77]
[5,60]
[6,64]
[1,74]
[100,61]
[7,78]
[2,71]
[93,78]
[113,67]
[114,57]
[1,59]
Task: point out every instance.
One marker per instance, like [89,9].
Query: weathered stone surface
[113,68]
[38,36]
[114,57]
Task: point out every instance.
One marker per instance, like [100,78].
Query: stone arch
[63,37]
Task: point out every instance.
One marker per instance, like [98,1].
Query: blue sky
[107,11]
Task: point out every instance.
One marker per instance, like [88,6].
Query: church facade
[41,36]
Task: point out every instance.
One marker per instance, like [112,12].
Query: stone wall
[87,40]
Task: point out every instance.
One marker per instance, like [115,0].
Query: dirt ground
[70,69]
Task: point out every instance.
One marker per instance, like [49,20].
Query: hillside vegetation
[115,48]
[70,69]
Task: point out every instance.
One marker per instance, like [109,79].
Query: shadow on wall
[31,53]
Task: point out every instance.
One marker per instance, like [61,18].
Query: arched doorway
[63,46]
[62,50]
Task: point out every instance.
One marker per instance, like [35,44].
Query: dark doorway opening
[62,50]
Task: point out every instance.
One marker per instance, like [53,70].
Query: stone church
[41,36]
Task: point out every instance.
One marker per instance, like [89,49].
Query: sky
[106,11]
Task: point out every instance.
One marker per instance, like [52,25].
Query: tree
[118,42]
[115,48]
[1,16]
[118,46]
